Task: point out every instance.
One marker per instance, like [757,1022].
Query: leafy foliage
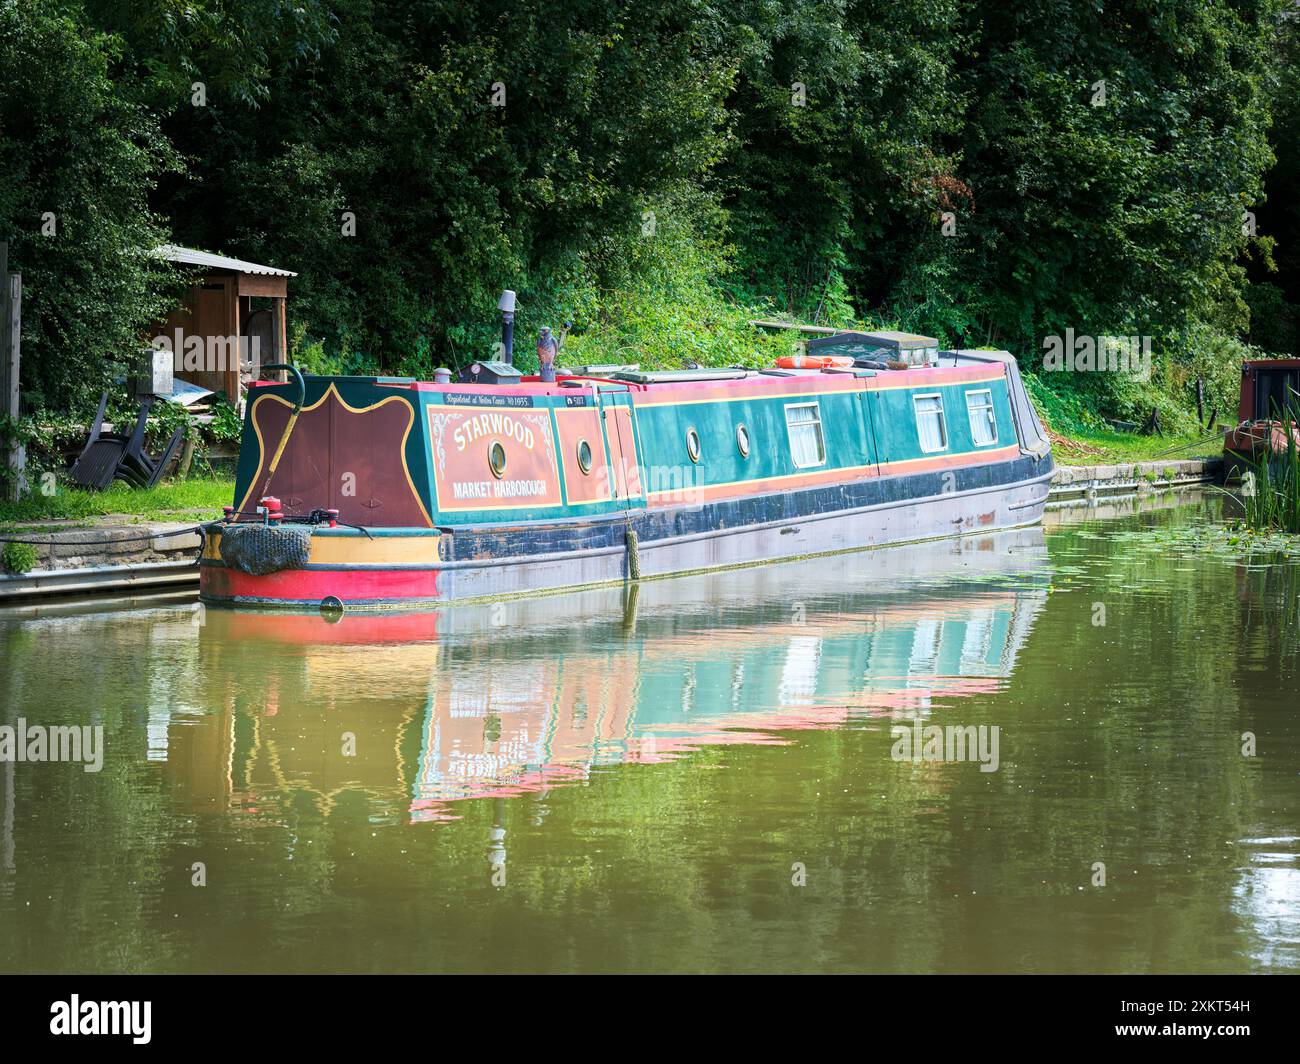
[18,558]
[1114,155]
[226,426]
[77,160]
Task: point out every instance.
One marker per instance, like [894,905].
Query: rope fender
[633,555]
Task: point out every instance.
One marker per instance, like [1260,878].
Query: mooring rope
[85,543]
[1216,434]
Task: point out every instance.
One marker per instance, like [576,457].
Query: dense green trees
[1274,294]
[845,114]
[77,160]
[660,171]
[1116,154]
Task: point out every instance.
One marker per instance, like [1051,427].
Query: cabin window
[804,425]
[983,422]
[742,440]
[584,456]
[497,459]
[693,444]
[930,425]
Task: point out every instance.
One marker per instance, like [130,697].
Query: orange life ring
[814,361]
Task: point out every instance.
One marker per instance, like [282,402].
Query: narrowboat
[1266,414]
[376,493]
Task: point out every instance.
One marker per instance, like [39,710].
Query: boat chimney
[506,304]
[442,375]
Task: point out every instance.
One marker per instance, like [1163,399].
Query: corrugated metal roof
[903,341]
[191,257]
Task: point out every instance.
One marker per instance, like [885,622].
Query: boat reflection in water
[420,711]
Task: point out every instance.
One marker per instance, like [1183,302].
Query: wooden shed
[236,308]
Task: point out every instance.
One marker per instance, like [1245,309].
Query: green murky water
[615,783]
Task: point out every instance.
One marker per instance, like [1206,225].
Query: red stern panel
[375,489]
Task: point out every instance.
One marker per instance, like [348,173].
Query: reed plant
[1272,499]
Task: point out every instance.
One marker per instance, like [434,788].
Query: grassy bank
[1104,448]
[199,497]
[1081,435]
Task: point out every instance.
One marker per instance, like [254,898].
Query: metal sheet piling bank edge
[418,494]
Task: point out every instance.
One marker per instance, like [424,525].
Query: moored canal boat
[1269,401]
[382,493]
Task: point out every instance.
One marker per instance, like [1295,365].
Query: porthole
[497,459]
[742,440]
[693,444]
[584,456]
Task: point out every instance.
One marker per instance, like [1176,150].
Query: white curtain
[929,422]
[983,424]
[806,446]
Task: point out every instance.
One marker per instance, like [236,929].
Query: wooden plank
[256,284]
[818,330]
[13,349]
[281,338]
[10,366]
[204,316]
[230,378]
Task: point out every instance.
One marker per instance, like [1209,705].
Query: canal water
[711,773]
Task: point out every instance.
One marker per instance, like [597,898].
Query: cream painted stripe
[850,390]
[356,550]
[384,550]
[844,472]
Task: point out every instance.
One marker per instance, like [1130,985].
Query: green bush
[1274,322]
[18,558]
[225,426]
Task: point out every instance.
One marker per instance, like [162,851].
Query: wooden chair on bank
[111,455]
[135,466]
[98,460]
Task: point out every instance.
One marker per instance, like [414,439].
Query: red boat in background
[1270,394]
